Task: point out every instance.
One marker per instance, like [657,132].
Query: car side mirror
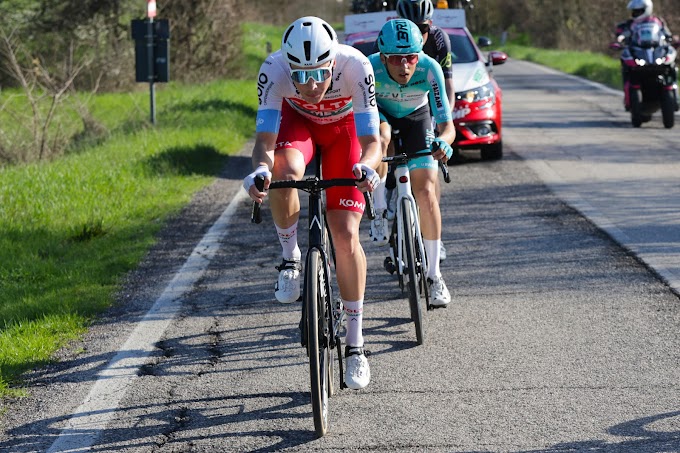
[497,57]
[483,41]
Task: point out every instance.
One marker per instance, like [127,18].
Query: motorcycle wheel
[668,108]
[635,107]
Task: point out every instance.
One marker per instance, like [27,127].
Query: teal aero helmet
[400,36]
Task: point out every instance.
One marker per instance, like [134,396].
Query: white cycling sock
[288,240]
[354,312]
[432,252]
[379,200]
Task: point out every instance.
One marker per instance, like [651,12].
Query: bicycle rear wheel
[320,355]
[412,271]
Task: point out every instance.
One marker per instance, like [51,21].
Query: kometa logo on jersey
[352,204]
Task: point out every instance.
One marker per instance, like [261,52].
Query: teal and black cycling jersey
[427,84]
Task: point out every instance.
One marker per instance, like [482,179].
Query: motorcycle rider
[640,10]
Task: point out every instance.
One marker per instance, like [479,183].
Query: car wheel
[493,151]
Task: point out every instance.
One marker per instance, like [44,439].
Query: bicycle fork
[402,175]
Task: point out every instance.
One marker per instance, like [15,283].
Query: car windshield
[366,48]
[462,49]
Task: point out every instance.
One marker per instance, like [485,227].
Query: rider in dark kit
[640,10]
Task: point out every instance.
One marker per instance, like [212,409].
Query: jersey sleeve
[362,89]
[443,56]
[439,102]
[270,97]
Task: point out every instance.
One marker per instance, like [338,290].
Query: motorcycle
[650,73]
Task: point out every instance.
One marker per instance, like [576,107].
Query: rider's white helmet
[639,9]
[309,41]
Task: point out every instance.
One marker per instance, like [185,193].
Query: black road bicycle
[322,317]
[407,252]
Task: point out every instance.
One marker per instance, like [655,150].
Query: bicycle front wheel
[412,271]
[317,342]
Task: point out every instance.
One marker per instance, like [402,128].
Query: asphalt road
[558,338]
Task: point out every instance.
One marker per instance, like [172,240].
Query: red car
[477,113]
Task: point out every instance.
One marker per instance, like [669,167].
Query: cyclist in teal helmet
[410,91]
[400,36]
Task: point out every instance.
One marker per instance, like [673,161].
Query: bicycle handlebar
[310,185]
[403,158]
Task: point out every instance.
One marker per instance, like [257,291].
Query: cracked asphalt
[557,339]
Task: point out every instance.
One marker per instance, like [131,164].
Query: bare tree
[36,134]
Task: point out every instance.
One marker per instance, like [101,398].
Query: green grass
[592,66]
[72,227]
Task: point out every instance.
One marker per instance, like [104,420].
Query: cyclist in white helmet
[313,93]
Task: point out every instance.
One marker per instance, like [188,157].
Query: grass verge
[71,228]
[597,67]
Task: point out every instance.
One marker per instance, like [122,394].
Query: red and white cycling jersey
[352,90]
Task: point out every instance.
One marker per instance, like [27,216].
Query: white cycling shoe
[287,289]
[442,252]
[439,293]
[379,231]
[357,371]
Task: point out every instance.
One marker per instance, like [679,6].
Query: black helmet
[417,11]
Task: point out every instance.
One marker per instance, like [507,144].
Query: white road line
[100,405]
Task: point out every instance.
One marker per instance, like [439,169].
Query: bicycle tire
[422,277]
[317,345]
[394,245]
[412,272]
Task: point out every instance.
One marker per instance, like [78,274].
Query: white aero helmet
[639,9]
[309,41]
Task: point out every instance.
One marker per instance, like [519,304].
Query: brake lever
[444,167]
[256,216]
[368,198]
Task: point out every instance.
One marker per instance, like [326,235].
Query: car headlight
[477,94]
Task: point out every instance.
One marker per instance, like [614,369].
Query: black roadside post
[151,52]
[151,11]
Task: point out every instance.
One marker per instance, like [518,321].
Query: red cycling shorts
[340,150]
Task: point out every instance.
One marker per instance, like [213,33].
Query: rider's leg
[289,163]
[423,184]
[350,270]
[379,200]
[350,260]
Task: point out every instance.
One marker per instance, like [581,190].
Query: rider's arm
[445,61]
[263,151]
[450,92]
[267,126]
[441,110]
[366,118]
[371,150]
